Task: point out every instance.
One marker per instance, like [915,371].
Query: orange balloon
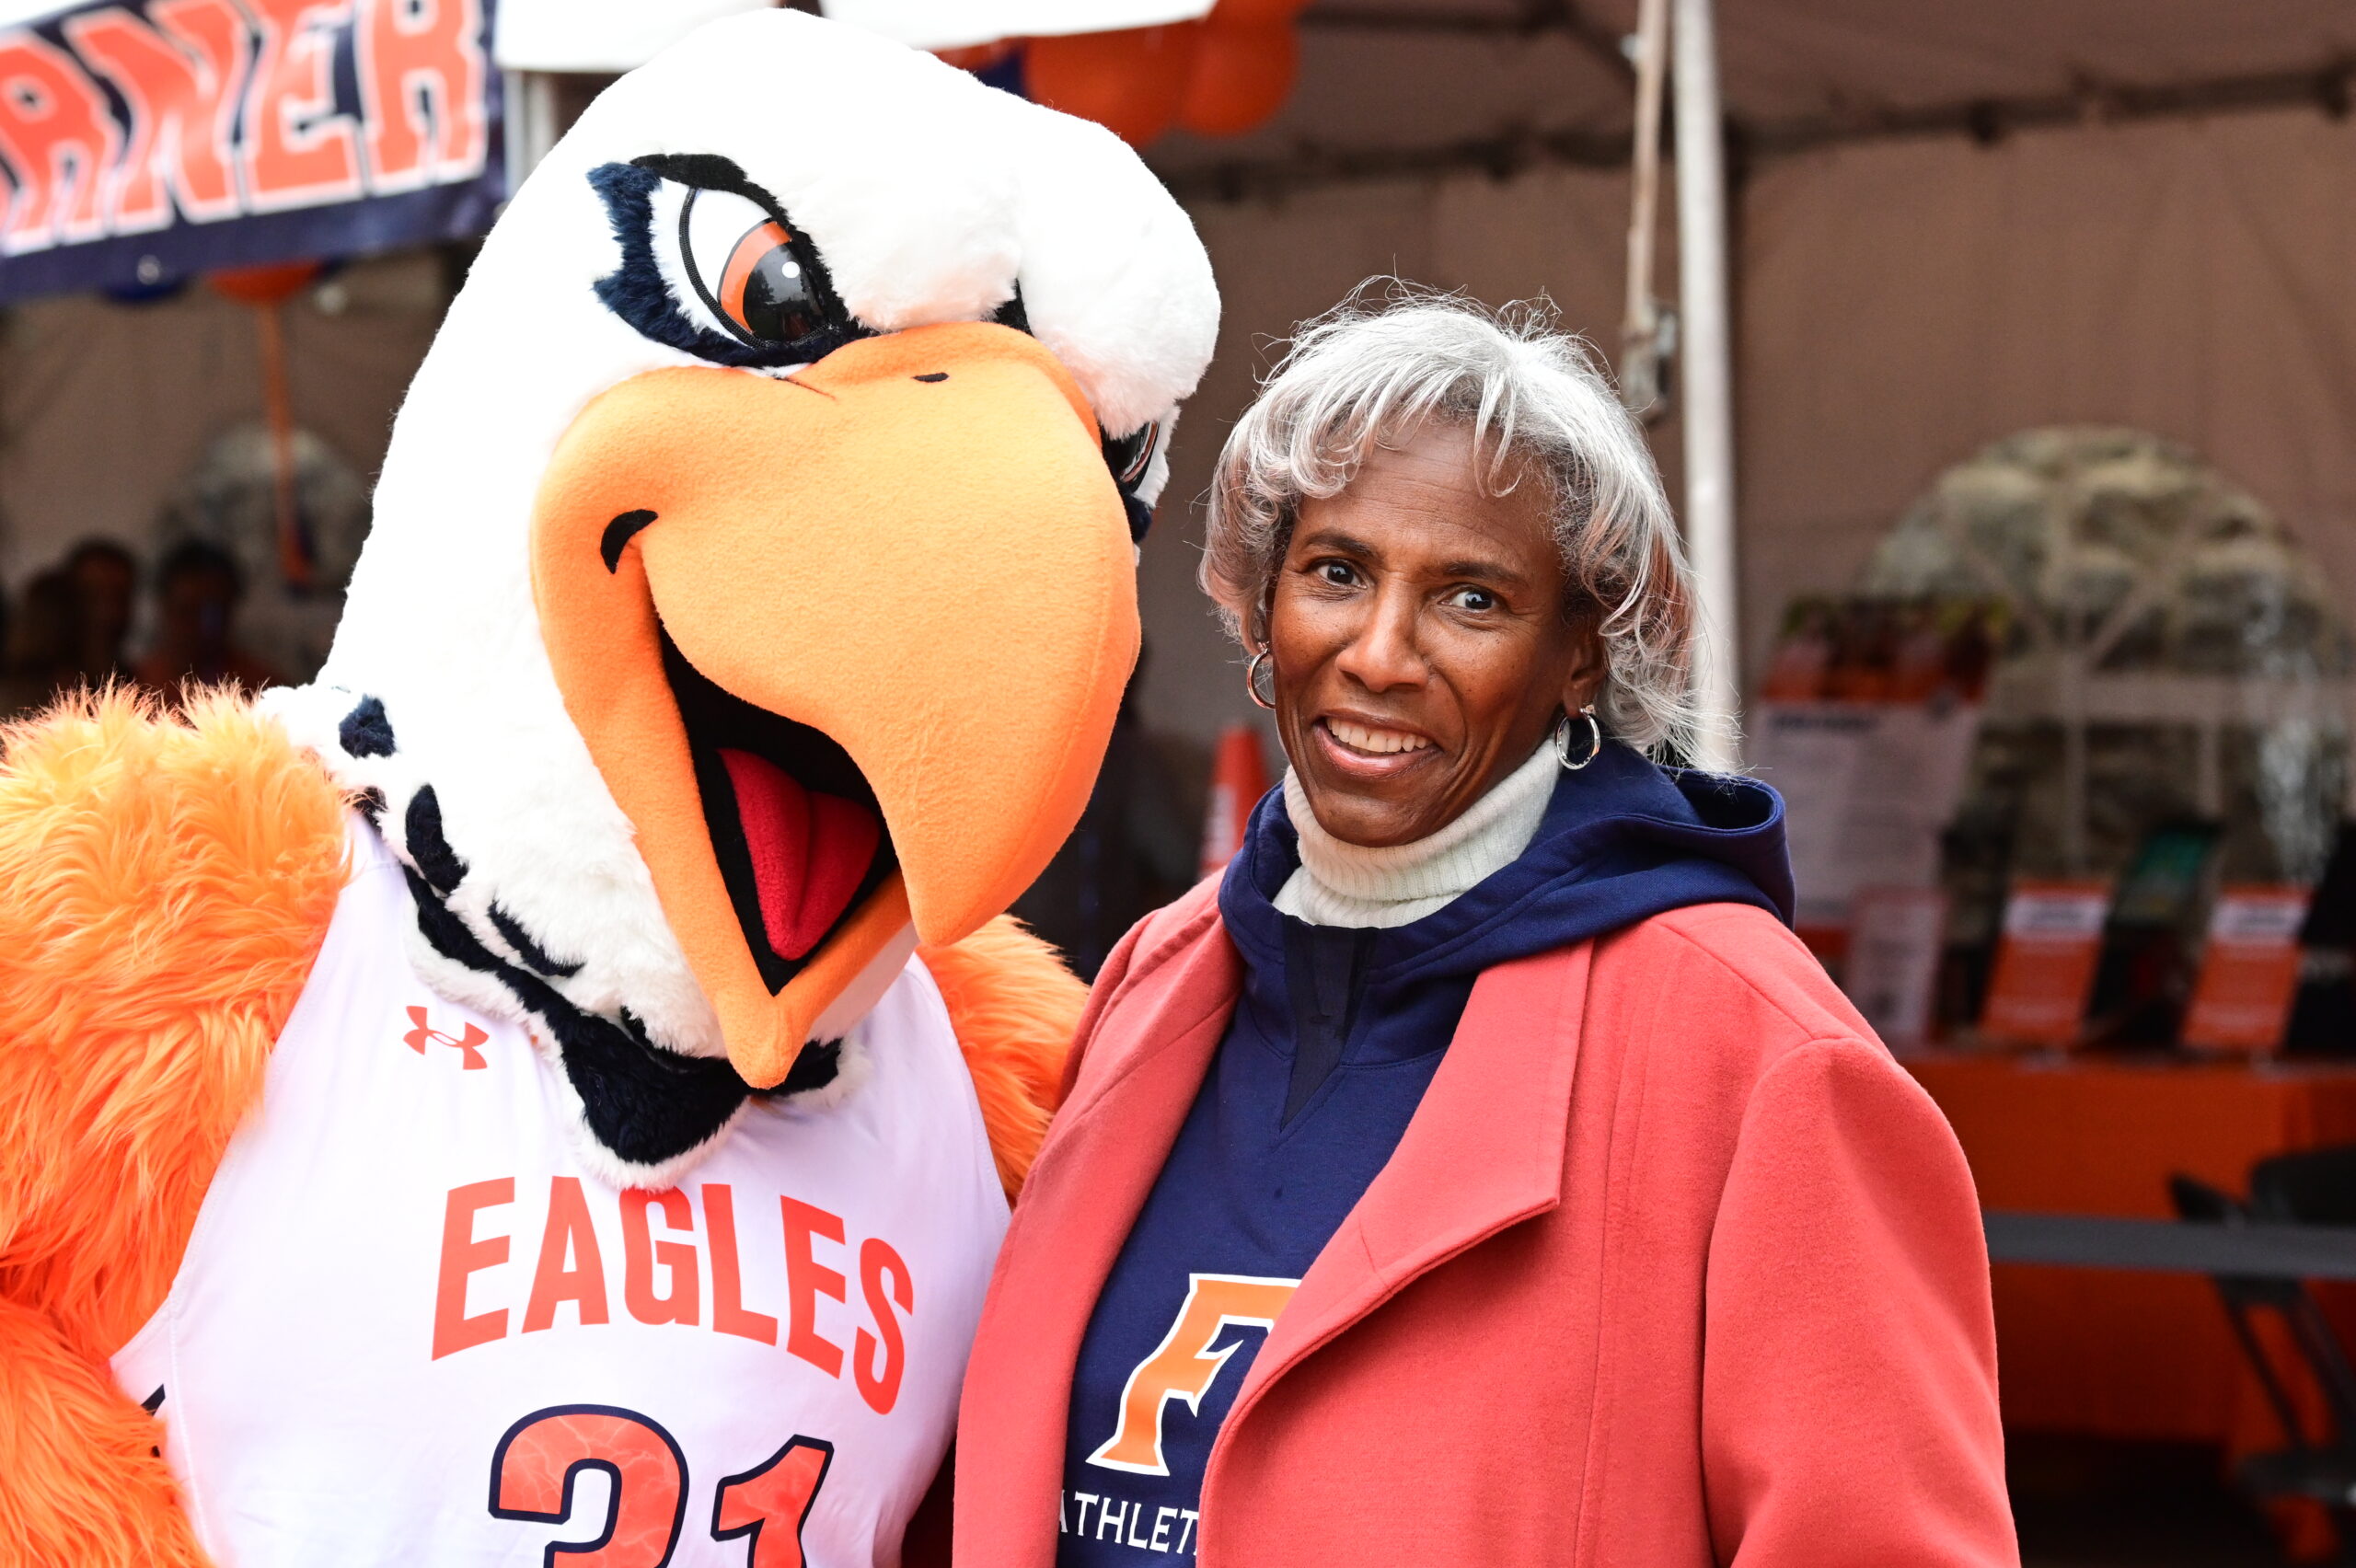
[1242,75]
[1255,13]
[266,284]
[1129,81]
[976,56]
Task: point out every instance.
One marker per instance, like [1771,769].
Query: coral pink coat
[1674,1267]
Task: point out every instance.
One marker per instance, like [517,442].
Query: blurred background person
[1133,851]
[43,637]
[105,581]
[197,589]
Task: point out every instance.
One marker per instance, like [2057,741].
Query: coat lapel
[1107,1147]
[1484,1150]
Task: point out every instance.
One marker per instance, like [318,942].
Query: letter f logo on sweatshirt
[1185,1366]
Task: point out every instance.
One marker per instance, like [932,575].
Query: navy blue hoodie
[1334,1038]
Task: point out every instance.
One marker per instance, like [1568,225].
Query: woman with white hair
[1480,1172]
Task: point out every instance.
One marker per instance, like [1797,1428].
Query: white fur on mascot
[551,1088]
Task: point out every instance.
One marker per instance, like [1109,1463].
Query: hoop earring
[1563,739]
[1251,681]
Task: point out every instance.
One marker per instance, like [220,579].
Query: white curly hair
[1391,356]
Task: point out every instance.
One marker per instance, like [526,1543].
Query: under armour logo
[469,1042]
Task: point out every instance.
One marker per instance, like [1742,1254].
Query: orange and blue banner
[146,141]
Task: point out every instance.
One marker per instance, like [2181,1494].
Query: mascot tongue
[810,852]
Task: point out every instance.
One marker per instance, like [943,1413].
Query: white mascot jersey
[412,1327]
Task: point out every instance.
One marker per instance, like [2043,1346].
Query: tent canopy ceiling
[1786,59]
[1430,74]
[1795,59]
[1782,61]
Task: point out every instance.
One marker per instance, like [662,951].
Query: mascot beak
[845,647]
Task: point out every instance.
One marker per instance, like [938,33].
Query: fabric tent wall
[105,408]
[1898,305]
[1903,304]
[1560,232]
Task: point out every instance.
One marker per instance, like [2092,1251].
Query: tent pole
[530,98]
[1641,371]
[1709,377]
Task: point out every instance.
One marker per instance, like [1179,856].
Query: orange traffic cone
[1239,777]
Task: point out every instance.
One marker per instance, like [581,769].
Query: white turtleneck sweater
[1347,884]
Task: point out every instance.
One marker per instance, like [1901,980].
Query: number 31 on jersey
[532,1472]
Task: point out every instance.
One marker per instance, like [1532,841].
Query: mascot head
[751,588]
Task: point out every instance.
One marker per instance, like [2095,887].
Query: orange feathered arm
[165,885]
[1014,1007]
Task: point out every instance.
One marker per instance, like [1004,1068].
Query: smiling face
[1422,636]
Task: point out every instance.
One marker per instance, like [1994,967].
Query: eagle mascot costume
[549,1090]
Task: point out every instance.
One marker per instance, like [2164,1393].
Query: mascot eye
[744,266]
[713,266]
[1129,455]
